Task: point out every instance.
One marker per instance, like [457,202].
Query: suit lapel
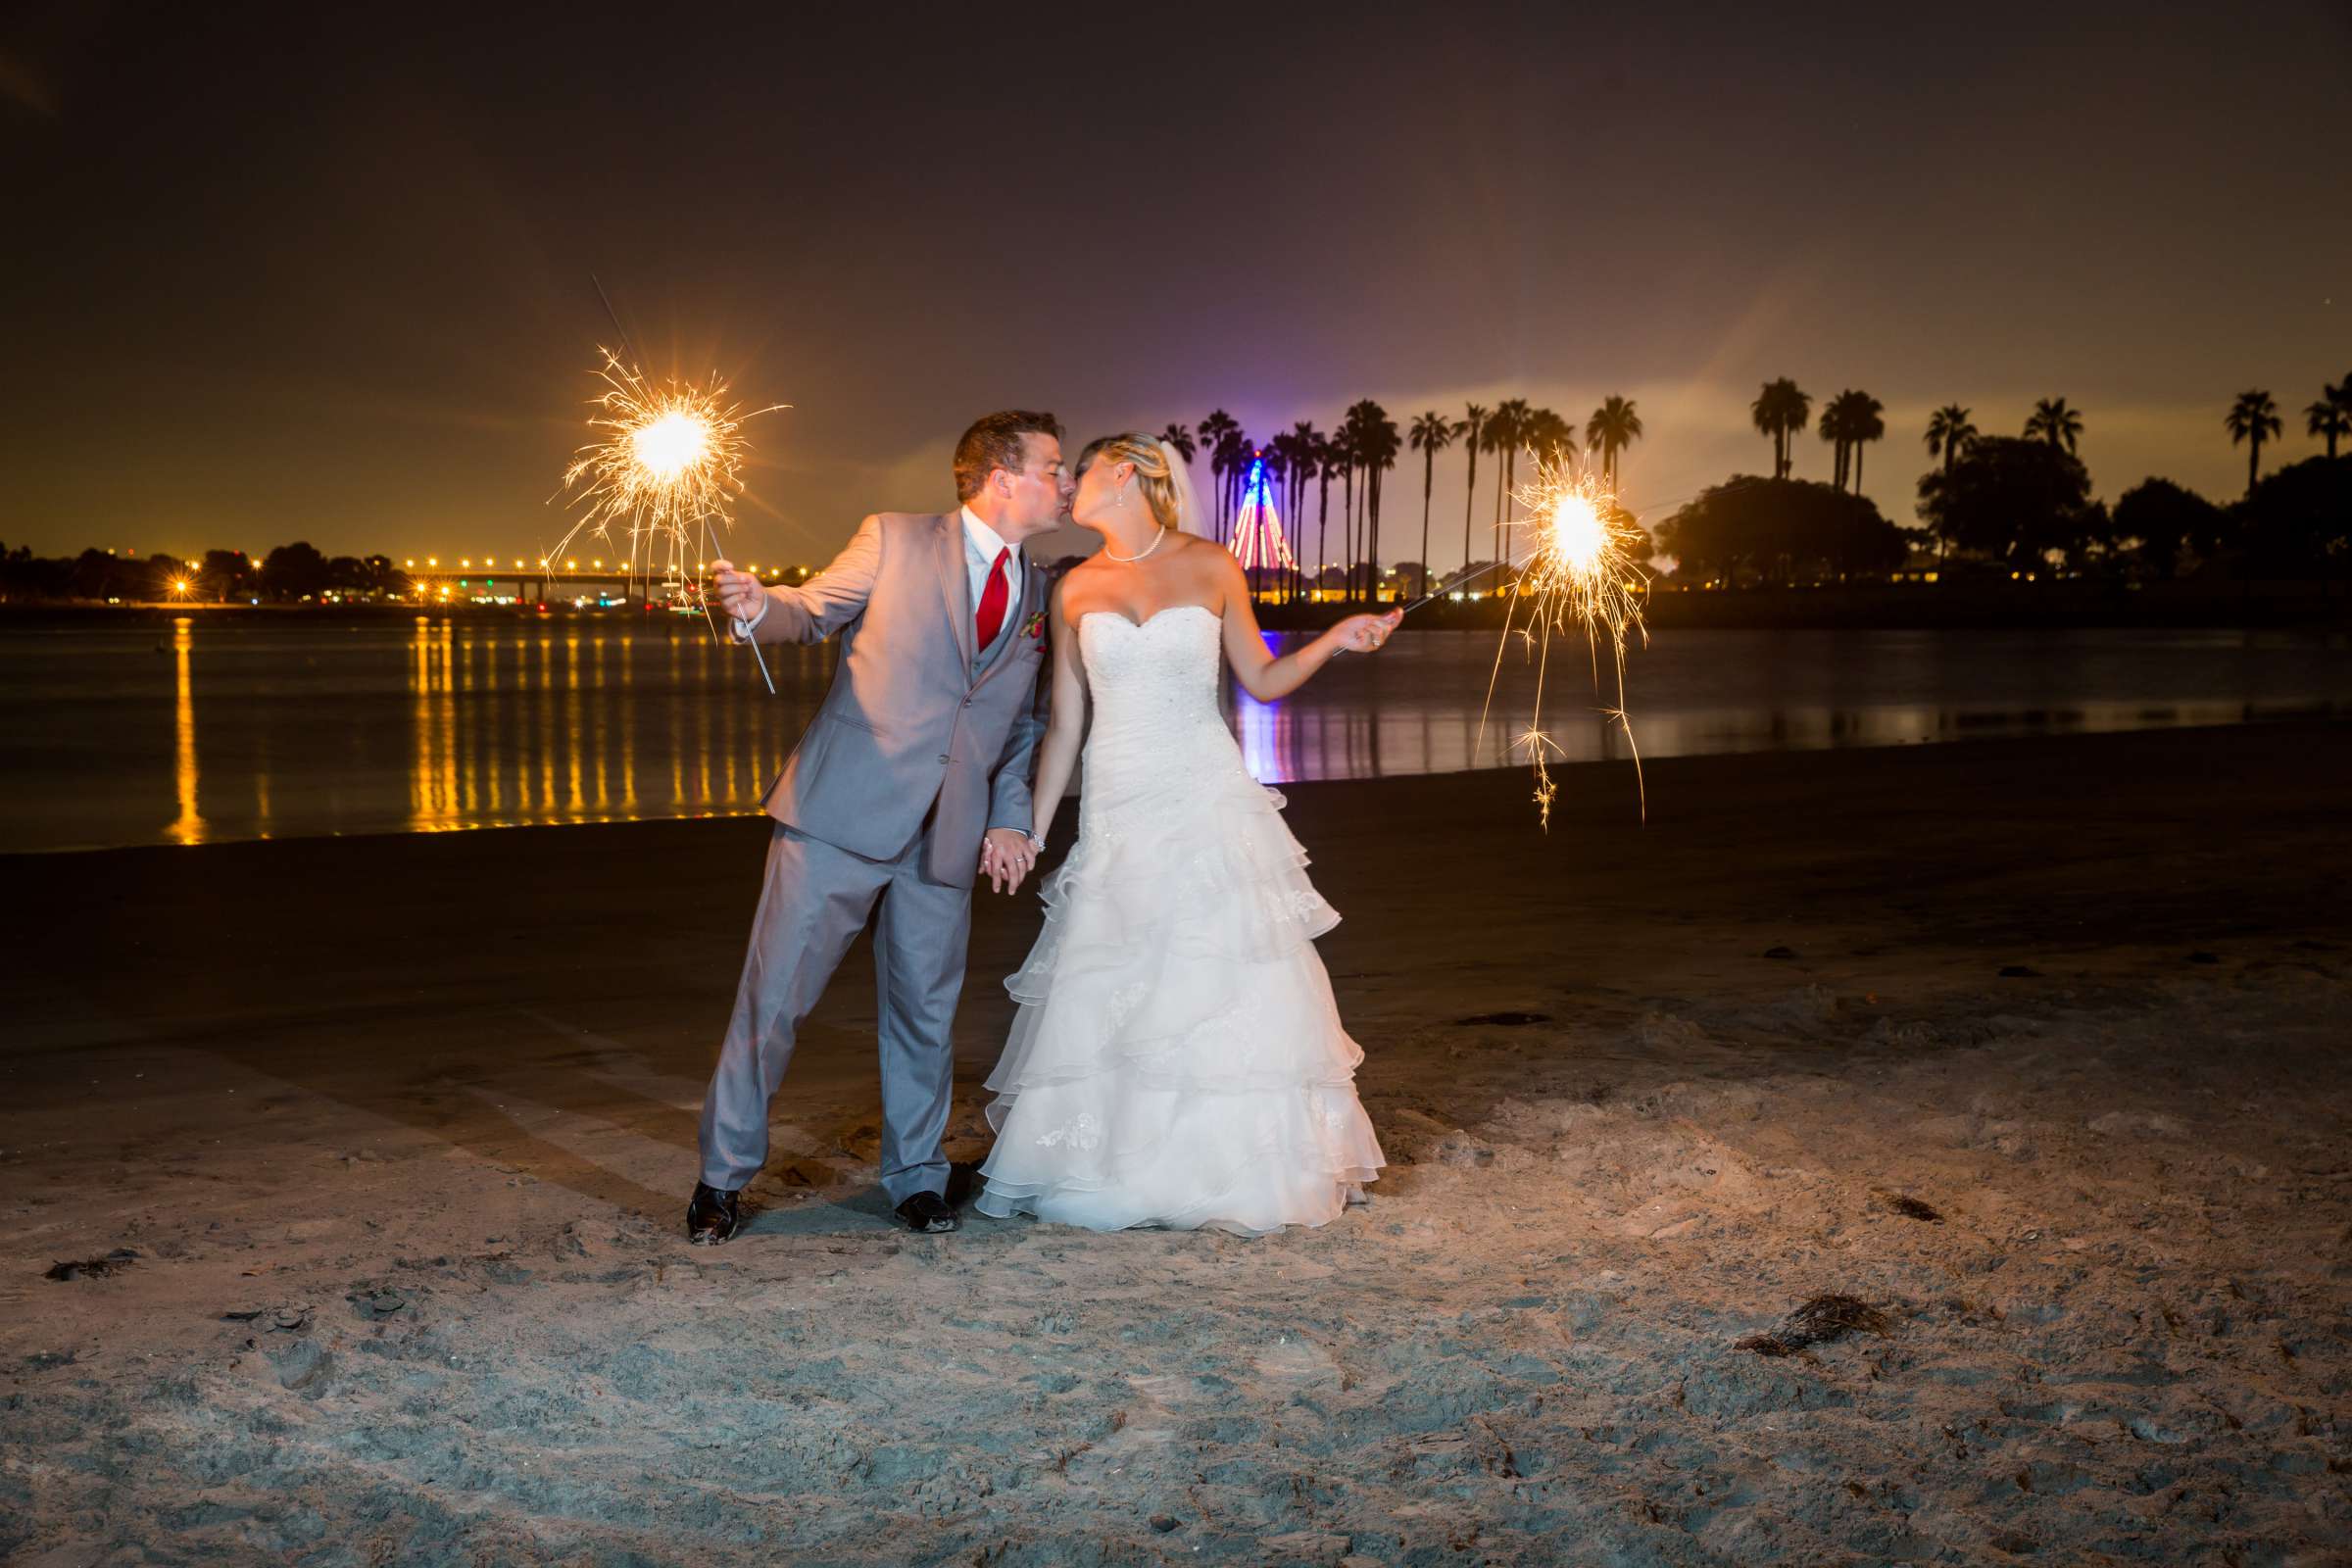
[956,585]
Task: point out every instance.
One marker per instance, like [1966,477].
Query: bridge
[574,582]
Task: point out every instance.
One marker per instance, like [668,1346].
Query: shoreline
[2254,604]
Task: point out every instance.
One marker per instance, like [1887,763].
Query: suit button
[943,757]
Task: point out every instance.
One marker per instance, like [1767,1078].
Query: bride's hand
[1363,634]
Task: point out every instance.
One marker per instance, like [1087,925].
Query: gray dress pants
[815,901]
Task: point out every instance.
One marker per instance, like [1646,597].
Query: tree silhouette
[1850,419]
[1181,438]
[2298,520]
[2252,419]
[1780,411]
[2331,419]
[1950,431]
[1549,437]
[2014,499]
[1431,434]
[1306,461]
[1377,446]
[1332,463]
[1474,434]
[226,572]
[2168,522]
[1506,431]
[1780,531]
[1614,427]
[1276,454]
[1832,425]
[2053,421]
[1219,432]
[290,572]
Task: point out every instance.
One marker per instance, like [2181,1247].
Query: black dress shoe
[713,1216]
[928,1212]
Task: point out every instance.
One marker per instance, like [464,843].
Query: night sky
[324,272]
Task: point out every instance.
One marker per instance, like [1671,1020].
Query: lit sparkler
[667,466]
[1580,571]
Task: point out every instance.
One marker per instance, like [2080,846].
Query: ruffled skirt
[1177,1059]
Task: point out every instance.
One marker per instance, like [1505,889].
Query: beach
[367,1158]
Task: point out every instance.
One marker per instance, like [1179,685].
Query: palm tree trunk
[1502,485]
[2253,462]
[1857,468]
[1363,516]
[1323,531]
[1429,482]
[1469,502]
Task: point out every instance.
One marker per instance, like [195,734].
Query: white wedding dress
[1176,1059]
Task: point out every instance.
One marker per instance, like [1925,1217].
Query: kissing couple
[1176,1056]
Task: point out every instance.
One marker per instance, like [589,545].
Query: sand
[394,1137]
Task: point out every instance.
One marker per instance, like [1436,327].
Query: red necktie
[992,598]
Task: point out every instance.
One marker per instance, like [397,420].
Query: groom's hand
[1006,857]
[739,591]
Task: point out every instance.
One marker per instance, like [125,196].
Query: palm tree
[1181,438]
[1306,457]
[1216,436]
[1780,411]
[1275,456]
[1431,434]
[2331,419]
[2054,422]
[1854,419]
[1331,462]
[1837,418]
[1474,431]
[1614,427]
[1552,438]
[1377,447]
[2251,419]
[1507,429]
[1342,447]
[1231,463]
[1949,433]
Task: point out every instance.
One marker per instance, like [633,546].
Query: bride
[1176,1059]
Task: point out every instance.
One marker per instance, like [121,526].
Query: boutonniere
[1034,626]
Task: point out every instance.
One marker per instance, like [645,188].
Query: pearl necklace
[1147,550]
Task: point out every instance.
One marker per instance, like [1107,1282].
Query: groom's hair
[994,442]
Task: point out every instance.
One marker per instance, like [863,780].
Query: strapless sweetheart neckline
[1139,625]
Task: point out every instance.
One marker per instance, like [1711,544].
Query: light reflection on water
[201,732]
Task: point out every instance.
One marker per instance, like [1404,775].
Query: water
[204,731]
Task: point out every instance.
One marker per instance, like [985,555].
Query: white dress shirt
[981,544]
[984,543]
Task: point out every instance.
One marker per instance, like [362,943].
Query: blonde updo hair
[1154,472]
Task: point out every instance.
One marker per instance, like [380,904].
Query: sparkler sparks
[667,465]
[1580,571]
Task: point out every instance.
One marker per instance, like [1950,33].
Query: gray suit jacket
[908,720]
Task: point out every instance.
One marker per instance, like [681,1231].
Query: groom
[913,775]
